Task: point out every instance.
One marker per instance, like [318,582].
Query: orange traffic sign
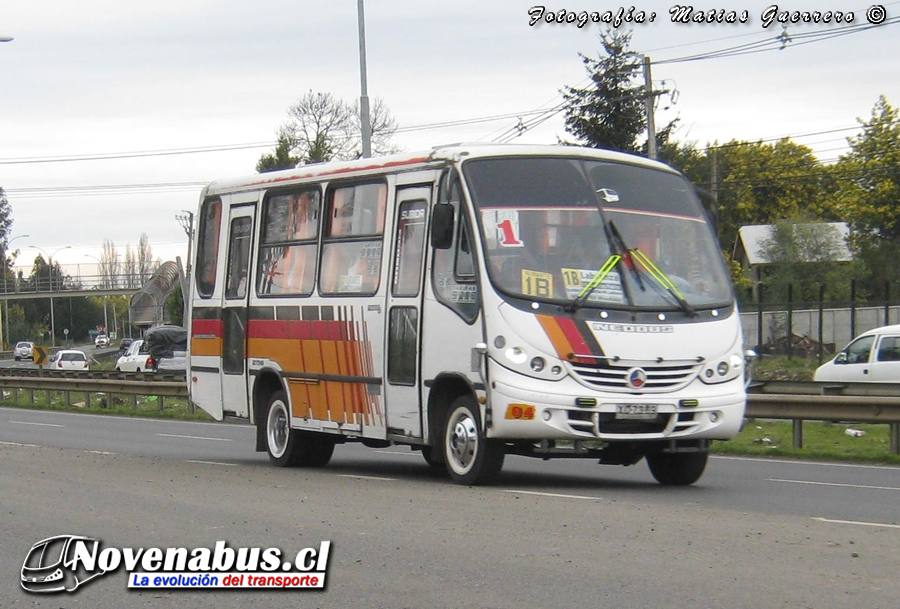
[39,355]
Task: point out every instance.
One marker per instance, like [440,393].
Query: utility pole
[648,104]
[365,122]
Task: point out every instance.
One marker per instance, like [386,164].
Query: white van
[873,356]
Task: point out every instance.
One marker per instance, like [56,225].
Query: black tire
[288,447]
[470,457]
[433,457]
[677,469]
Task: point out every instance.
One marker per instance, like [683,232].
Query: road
[751,533]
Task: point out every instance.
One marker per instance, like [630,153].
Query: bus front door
[234,308]
[404,320]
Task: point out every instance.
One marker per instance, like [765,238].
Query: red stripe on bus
[210,327]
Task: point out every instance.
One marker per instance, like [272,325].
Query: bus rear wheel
[470,457]
[677,469]
[289,447]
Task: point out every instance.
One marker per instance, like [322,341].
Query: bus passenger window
[287,254]
[239,258]
[208,246]
[352,247]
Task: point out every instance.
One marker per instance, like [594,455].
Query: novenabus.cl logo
[53,565]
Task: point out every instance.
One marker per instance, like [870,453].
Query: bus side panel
[326,363]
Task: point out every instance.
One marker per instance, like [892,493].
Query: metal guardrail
[91,383]
[826,401]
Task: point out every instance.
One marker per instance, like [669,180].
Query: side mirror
[442,216]
[841,358]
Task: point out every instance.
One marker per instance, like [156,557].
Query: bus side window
[453,270]
[352,247]
[239,258]
[208,246]
[410,244]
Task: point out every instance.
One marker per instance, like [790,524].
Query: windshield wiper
[660,276]
[634,256]
[595,281]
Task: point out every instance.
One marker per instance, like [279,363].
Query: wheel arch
[267,382]
[445,388]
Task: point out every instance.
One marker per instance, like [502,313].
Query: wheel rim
[462,441]
[277,429]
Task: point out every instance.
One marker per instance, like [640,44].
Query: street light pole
[648,104]
[364,119]
[50,268]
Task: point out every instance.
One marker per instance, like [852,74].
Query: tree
[280,159]
[609,113]
[868,180]
[109,264]
[804,255]
[146,264]
[322,127]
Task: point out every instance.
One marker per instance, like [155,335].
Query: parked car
[167,346]
[24,350]
[101,340]
[873,356]
[68,359]
[136,359]
[124,344]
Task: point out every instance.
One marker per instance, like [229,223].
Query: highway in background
[751,533]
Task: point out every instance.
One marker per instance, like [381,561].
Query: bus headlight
[538,363]
[723,370]
[516,355]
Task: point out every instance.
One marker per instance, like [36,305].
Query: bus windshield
[595,233]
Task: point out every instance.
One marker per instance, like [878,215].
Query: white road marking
[172,435]
[212,462]
[808,463]
[367,477]
[878,488]
[858,523]
[21,444]
[557,495]
[41,424]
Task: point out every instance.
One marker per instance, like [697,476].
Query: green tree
[869,193]
[281,158]
[609,112]
[322,127]
[758,183]
[804,255]
[175,306]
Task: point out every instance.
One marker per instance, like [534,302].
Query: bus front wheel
[470,457]
[289,447]
[677,469]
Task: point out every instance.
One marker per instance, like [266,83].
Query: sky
[114,114]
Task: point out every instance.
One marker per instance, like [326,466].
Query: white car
[136,359]
[872,357]
[24,350]
[102,340]
[68,359]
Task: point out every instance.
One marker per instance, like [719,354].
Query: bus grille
[613,376]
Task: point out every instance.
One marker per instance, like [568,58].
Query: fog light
[546,415]
[556,370]
[500,341]
[709,372]
[713,417]
[537,364]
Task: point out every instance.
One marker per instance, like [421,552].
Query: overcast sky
[105,78]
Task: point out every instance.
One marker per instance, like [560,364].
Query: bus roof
[436,157]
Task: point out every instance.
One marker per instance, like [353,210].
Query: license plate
[636,411]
